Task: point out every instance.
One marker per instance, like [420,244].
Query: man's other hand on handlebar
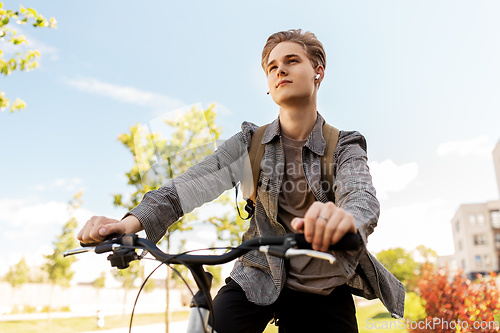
[324,224]
[99,227]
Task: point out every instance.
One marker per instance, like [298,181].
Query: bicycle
[124,251]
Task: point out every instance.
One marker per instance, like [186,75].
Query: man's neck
[297,123]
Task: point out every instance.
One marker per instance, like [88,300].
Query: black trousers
[294,311]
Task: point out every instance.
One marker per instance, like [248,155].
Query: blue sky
[421,81]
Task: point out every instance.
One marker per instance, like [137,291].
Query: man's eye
[272,68]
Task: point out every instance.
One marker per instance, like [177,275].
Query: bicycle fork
[199,313]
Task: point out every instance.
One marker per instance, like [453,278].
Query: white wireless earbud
[317,76]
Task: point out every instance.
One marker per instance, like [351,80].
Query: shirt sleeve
[353,187]
[201,183]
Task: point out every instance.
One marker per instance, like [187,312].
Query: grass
[75,325]
[369,318]
[375,318]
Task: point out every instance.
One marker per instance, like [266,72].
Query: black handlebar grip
[350,241]
[103,248]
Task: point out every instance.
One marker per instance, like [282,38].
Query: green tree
[127,277]
[57,267]
[150,285]
[400,263]
[428,254]
[100,282]
[158,159]
[23,61]
[18,274]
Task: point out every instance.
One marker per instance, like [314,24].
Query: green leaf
[18,105]
[22,10]
[32,12]
[12,64]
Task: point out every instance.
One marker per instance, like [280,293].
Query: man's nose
[281,71]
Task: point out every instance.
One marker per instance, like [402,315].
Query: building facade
[476,233]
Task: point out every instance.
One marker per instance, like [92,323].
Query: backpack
[256,152]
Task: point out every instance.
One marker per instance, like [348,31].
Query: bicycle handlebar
[123,252]
[274,245]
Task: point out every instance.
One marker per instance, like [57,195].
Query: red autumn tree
[456,304]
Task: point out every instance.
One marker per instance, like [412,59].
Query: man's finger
[298,224]
[345,226]
[112,228]
[310,220]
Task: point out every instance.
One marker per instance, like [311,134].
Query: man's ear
[321,71]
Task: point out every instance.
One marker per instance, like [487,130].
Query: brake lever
[280,250]
[78,251]
[110,243]
[311,253]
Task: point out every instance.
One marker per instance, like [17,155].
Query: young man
[311,295]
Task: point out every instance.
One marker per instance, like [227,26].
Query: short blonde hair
[313,47]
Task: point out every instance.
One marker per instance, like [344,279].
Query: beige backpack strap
[331,135]
[251,172]
[256,153]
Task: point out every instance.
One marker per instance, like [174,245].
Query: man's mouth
[282,82]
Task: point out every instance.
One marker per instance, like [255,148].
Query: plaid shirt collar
[316,143]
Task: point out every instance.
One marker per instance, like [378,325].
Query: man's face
[290,75]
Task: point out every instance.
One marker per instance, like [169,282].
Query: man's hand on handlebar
[99,227]
[324,224]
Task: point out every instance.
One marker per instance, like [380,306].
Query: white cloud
[32,223]
[125,94]
[24,215]
[390,177]
[477,147]
[27,213]
[419,223]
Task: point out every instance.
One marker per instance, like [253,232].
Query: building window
[463,263]
[458,226]
[487,260]
[497,240]
[472,220]
[495,218]
[481,221]
[480,239]
[459,245]
[479,262]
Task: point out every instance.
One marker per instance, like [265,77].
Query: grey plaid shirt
[260,275]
